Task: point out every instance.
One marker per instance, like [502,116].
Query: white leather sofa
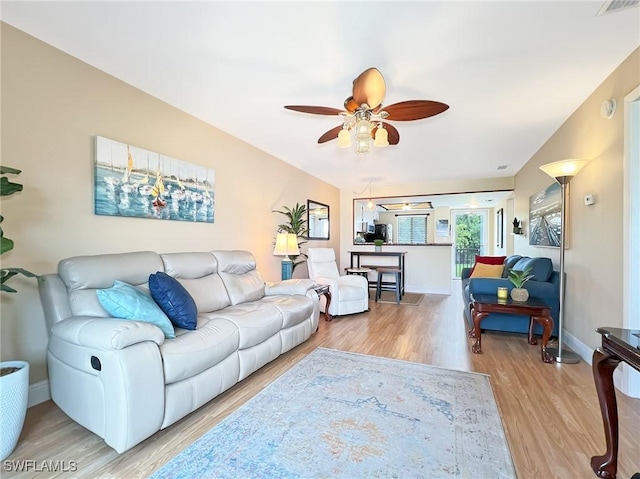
[122,379]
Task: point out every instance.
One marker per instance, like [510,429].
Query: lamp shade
[381,138]
[559,169]
[344,139]
[286,244]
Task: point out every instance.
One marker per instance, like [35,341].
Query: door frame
[485,240]
[631,229]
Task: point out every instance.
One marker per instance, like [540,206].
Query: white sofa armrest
[106,333]
[354,280]
[333,283]
[288,286]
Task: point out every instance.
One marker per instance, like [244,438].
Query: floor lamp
[563,171]
[286,244]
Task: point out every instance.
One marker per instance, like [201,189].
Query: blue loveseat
[545,285]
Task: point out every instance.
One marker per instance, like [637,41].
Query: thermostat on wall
[589,200]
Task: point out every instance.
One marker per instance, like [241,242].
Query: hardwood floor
[550,411]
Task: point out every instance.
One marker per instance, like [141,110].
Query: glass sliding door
[470,237]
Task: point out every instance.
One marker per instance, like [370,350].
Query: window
[412,229]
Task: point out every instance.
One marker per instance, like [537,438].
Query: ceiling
[512,72]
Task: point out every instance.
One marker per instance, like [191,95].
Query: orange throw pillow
[482,270]
[488,260]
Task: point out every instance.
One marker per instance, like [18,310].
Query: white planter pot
[519,294]
[14,395]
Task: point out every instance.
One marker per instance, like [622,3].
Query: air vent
[617,5]
[502,167]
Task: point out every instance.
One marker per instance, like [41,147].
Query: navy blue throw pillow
[174,300]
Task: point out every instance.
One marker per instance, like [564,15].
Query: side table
[483,304]
[617,345]
[323,289]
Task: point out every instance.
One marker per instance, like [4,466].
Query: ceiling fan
[364,114]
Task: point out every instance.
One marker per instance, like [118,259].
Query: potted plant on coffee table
[518,279]
[14,375]
[378,244]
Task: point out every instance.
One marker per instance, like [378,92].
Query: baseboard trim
[38,393]
[577,346]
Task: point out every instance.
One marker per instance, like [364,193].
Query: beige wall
[53,106]
[593,262]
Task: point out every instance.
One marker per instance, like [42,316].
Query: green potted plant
[296,224]
[14,375]
[517,226]
[518,279]
[378,244]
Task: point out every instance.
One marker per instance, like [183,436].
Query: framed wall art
[132,181]
[545,212]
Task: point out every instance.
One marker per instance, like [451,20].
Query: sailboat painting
[132,181]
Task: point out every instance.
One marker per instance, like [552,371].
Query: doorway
[470,236]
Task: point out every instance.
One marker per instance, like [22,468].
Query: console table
[617,345]
[356,255]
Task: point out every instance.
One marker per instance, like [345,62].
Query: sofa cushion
[541,268]
[482,270]
[243,288]
[508,264]
[174,300]
[192,352]
[294,309]
[256,321]
[127,302]
[238,272]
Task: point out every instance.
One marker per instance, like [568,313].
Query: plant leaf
[8,188]
[6,244]
[6,170]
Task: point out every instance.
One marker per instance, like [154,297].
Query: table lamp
[286,244]
[563,171]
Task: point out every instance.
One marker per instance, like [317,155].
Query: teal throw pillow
[125,301]
[174,300]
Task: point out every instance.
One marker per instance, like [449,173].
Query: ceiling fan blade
[330,135]
[414,110]
[369,88]
[350,105]
[393,134]
[316,110]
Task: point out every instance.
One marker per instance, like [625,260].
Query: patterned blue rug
[347,415]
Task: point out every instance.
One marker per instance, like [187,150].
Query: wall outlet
[589,200]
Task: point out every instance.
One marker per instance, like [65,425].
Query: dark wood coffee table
[538,311]
[617,345]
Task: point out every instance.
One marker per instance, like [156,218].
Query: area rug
[347,415]
[411,299]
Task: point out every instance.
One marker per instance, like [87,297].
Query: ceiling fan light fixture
[363,130]
[382,138]
[362,146]
[344,138]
